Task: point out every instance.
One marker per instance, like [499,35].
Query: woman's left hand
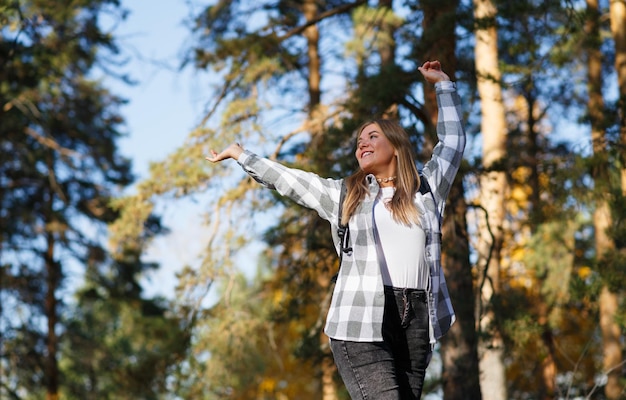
[233,151]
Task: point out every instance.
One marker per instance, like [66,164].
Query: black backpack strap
[343,231]
[424,186]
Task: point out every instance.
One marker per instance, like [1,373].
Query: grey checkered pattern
[356,310]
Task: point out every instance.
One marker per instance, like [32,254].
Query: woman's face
[375,153]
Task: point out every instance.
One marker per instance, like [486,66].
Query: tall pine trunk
[618,29]
[53,275]
[538,216]
[609,301]
[459,346]
[52,279]
[493,186]
[387,51]
[311,33]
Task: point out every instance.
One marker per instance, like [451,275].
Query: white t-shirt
[402,247]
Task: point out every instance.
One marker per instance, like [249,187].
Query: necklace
[385,180]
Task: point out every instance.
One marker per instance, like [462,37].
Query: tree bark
[52,367]
[438,43]
[618,30]
[329,371]
[52,279]
[611,333]
[311,33]
[388,51]
[493,186]
[458,348]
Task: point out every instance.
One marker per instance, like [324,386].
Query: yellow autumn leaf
[584,272]
[267,385]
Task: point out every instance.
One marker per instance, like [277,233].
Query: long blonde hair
[402,206]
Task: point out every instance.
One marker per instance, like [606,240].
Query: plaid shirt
[356,309]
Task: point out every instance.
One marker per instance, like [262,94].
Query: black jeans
[393,369]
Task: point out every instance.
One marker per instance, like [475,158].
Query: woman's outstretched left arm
[305,188]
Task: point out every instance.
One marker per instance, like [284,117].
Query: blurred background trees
[534,232]
[73,321]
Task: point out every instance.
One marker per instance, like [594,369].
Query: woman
[390,303]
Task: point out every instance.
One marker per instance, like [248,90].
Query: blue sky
[162,108]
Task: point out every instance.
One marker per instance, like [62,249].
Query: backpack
[343,231]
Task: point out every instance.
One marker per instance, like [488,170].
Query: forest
[534,231]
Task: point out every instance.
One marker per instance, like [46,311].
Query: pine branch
[335,11]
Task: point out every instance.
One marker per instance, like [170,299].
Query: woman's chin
[366,167]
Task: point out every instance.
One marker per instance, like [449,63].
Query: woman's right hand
[432,72]
[232,151]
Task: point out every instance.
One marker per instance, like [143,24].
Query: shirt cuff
[243,157]
[445,86]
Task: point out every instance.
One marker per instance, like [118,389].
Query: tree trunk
[618,29]
[52,367]
[312,36]
[311,33]
[52,279]
[493,186]
[611,333]
[612,350]
[458,348]
[438,43]
[547,389]
[388,51]
[329,371]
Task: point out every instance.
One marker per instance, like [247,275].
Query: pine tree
[60,169]
[493,188]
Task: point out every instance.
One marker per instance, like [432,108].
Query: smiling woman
[390,303]
[376,155]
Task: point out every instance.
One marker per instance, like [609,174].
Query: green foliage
[612,267]
[369,37]
[119,346]
[262,337]
[240,353]
[59,169]
[550,257]
[551,313]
